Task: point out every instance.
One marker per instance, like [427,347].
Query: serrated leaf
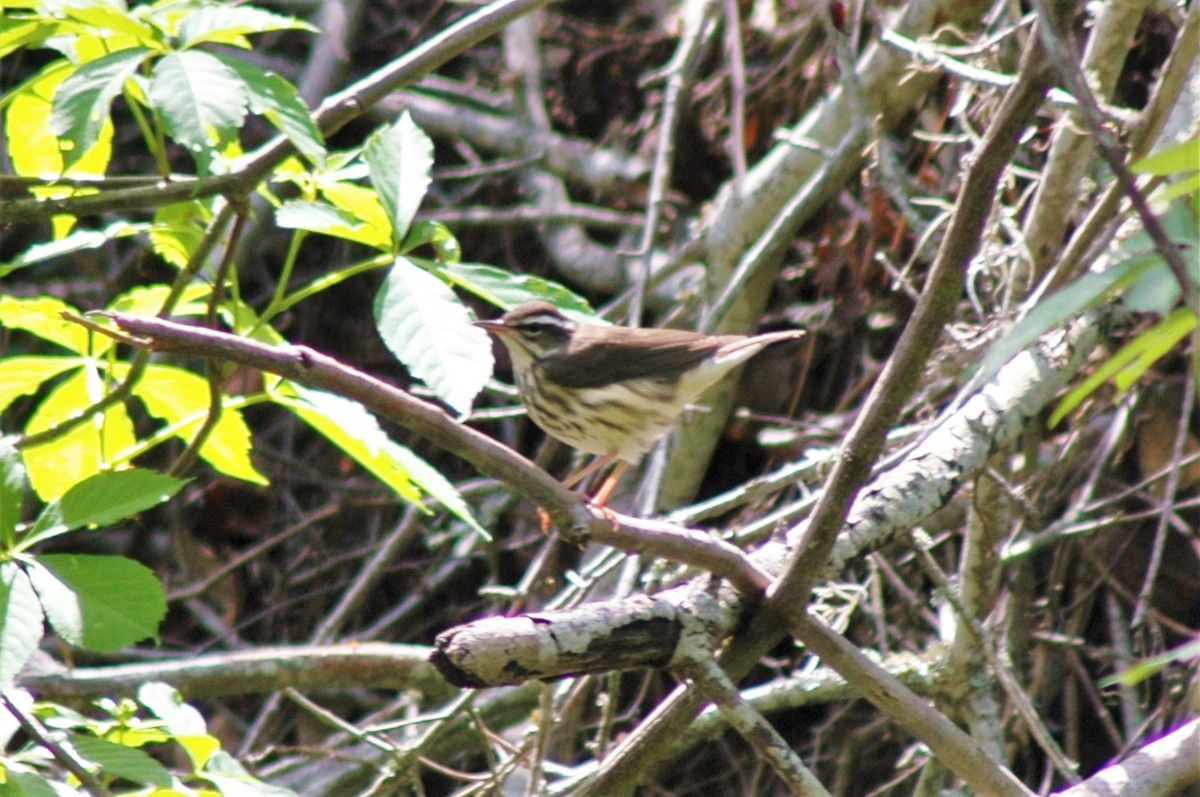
[12,491]
[278,101]
[202,101]
[56,466]
[440,489]
[117,601]
[400,158]
[181,398]
[349,426]
[42,316]
[121,761]
[105,16]
[21,376]
[34,149]
[426,326]
[83,100]
[102,500]
[507,290]
[150,300]
[78,241]
[228,24]
[325,219]
[20,621]
[364,205]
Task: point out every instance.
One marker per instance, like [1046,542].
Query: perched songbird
[610,390]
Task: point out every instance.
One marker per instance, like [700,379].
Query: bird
[612,391]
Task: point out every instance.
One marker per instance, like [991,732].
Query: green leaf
[21,376]
[400,157]
[12,491]
[100,603]
[9,727]
[151,299]
[1178,159]
[102,500]
[34,149]
[111,17]
[1147,668]
[440,489]
[280,103]
[349,426]
[223,23]
[20,621]
[23,783]
[181,398]
[507,290]
[202,101]
[1087,291]
[323,218]
[231,778]
[78,241]
[362,204]
[1134,359]
[121,761]
[82,102]
[164,701]
[430,331]
[56,466]
[178,229]
[437,235]
[42,316]
[18,33]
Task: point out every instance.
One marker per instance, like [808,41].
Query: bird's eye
[534,330]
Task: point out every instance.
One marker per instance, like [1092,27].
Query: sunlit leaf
[20,621]
[400,157]
[279,103]
[426,326]
[1134,358]
[22,376]
[78,241]
[56,466]
[223,23]
[12,492]
[42,316]
[35,150]
[325,219]
[181,398]
[506,290]
[202,101]
[82,102]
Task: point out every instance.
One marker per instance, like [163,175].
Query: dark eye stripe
[534,328]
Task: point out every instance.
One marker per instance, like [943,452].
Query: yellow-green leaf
[90,447]
[42,316]
[181,398]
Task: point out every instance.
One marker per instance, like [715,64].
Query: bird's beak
[495,326]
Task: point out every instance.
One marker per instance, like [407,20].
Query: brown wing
[607,356]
